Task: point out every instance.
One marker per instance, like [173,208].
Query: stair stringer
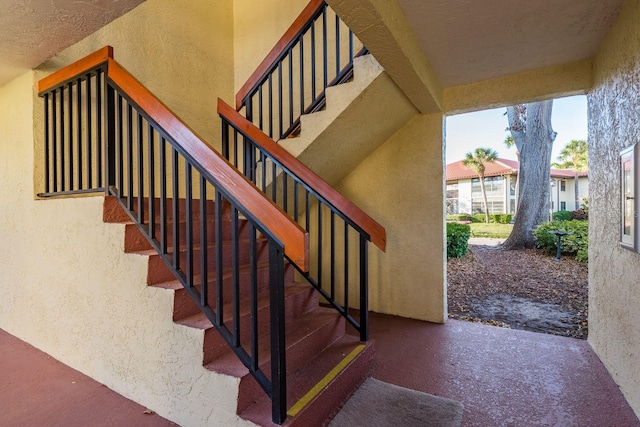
[359,117]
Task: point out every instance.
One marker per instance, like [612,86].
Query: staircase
[318,349]
[268,280]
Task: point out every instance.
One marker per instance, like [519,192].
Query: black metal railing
[338,245]
[74,130]
[98,138]
[318,55]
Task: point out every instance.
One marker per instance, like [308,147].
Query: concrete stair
[360,115]
[316,342]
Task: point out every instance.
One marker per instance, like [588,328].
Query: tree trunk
[575,186]
[536,142]
[484,199]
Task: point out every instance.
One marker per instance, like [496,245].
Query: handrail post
[278,347]
[110,156]
[364,290]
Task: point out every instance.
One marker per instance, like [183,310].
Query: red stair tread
[200,320]
[296,331]
[327,403]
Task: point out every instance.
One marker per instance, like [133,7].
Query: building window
[563,206]
[492,184]
[494,206]
[563,185]
[452,199]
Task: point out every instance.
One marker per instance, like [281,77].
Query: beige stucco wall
[258,25]
[614,285]
[401,185]
[181,50]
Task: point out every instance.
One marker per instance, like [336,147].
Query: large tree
[477,161]
[575,155]
[530,127]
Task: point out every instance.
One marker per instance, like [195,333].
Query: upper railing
[316,52]
[338,229]
[104,131]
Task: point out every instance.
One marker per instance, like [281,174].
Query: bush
[575,244]
[478,218]
[457,239]
[562,216]
[493,218]
[459,217]
[500,218]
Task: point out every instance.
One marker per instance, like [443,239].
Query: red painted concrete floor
[37,390]
[503,377]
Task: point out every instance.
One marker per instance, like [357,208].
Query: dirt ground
[527,290]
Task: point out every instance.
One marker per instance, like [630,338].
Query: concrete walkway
[485,241]
[503,377]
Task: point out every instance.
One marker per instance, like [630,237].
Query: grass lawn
[480,229]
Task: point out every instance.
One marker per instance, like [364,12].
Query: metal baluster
[346,268]
[62,141]
[70,121]
[163,195]
[319,243]
[364,290]
[270,107]
[130,157]
[278,353]
[325,64]
[54,144]
[253,262]
[290,56]
[337,45]
[140,171]
[219,264]
[188,213]
[175,208]
[280,100]
[46,143]
[99,148]
[120,147]
[235,276]
[333,255]
[89,136]
[152,179]
[204,249]
[79,130]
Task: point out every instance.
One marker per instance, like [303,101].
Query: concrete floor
[503,377]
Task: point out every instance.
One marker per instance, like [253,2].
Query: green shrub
[478,218]
[500,218]
[459,217]
[562,216]
[457,239]
[493,218]
[576,243]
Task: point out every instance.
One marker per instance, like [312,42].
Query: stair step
[299,300]
[136,241]
[114,213]
[318,390]
[306,337]
[184,306]
[159,272]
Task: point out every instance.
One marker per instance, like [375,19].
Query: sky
[466,132]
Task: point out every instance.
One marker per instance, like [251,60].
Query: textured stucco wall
[258,25]
[181,50]
[401,185]
[614,273]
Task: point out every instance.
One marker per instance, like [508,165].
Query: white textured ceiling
[474,40]
[32,31]
[465,40]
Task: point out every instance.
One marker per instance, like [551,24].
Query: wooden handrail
[282,44]
[294,239]
[376,232]
[76,69]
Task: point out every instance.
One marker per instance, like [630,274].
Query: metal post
[278,348]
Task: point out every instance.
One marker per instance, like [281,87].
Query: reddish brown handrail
[376,232]
[277,50]
[74,70]
[290,234]
[294,239]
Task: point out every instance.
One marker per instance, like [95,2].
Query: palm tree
[575,155]
[477,161]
